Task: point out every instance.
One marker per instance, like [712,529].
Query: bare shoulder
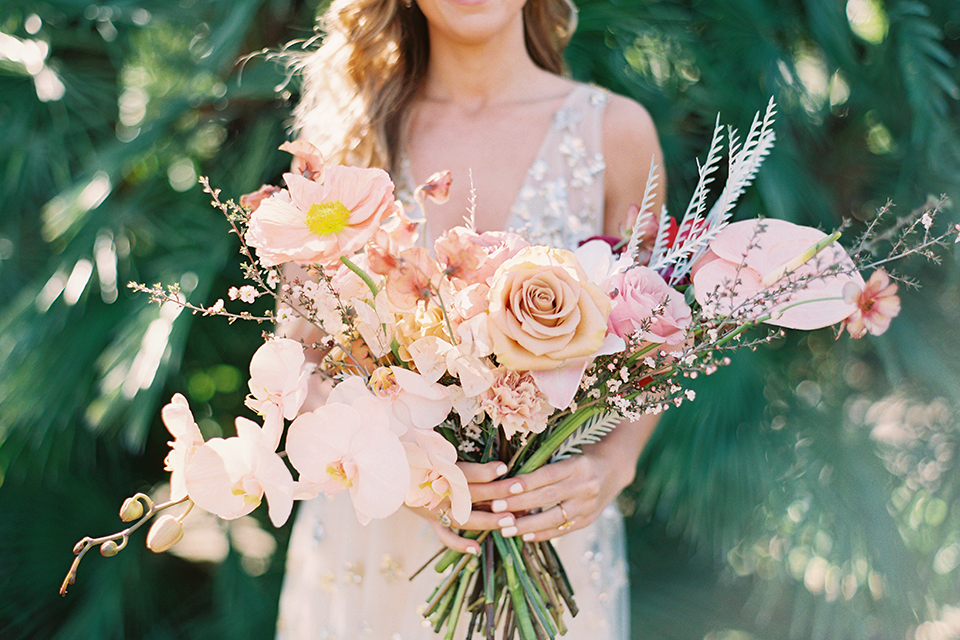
[630,144]
[628,131]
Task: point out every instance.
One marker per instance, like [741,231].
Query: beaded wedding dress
[345,581]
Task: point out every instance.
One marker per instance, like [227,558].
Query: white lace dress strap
[561,201]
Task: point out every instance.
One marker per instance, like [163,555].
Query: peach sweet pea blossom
[435,478]
[876,304]
[278,384]
[544,311]
[336,447]
[644,302]
[229,477]
[318,222]
[749,258]
[515,403]
[178,419]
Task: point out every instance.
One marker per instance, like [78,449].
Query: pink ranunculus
[321,221]
[515,403]
[279,379]
[750,271]
[498,247]
[338,447]
[435,479]
[229,477]
[644,302]
[187,438]
[877,303]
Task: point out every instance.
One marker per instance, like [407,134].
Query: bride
[476,87]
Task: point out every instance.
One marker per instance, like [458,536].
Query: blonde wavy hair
[359,83]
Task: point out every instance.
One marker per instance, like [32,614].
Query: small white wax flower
[926,220]
[248,293]
[233,293]
[217,307]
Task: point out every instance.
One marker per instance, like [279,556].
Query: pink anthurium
[773,267]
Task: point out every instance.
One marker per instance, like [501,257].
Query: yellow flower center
[339,474]
[327,218]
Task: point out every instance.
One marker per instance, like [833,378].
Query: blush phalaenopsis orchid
[278,384]
[413,400]
[318,222]
[351,447]
[229,477]
[435,479]
[778,270]
[875,305]
[178,419]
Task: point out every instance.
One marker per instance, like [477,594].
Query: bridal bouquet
[484,349]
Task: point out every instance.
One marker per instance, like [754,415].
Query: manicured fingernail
[501,469]
[516,487]
[508,531]
[527,537]
[498,506]
[473,550]
[506,521]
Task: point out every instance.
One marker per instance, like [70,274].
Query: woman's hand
[480,477]
[570,494]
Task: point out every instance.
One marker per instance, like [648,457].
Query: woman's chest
[489,156]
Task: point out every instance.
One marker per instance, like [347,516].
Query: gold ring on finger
[567,523]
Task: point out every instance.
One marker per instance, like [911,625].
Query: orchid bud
[109,549]
[131,510]
[165,532]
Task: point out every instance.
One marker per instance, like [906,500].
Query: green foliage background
[809,492]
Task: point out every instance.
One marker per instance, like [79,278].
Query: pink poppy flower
[230,477]
[178,419]
[307,160]
[765,267]
[336,447]
[435,479]
[876,304]
[252,200]
[321,221]
[278,384]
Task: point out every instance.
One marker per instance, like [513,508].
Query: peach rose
[544,311]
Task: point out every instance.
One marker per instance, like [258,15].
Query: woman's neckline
[406,179]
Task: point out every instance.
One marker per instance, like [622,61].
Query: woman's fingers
[449,538]
[476,472]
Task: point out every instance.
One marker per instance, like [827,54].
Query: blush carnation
[515,403]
